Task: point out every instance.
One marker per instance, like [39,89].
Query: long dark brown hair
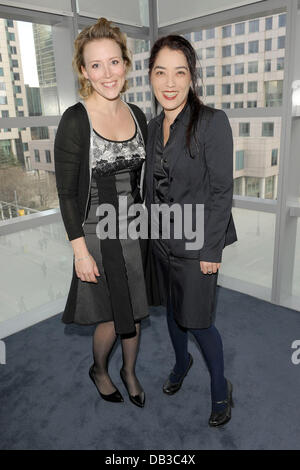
[179,43]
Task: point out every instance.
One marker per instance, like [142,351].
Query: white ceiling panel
[174,11]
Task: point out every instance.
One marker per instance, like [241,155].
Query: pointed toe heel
[114,397]
[138,400]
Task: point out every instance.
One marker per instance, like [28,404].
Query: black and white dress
[120,294]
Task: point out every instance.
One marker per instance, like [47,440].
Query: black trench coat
[203,174]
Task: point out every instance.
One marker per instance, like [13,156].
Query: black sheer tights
[103,341]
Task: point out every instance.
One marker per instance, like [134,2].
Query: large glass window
[268,65]
[267,129]
[268,44]
[226,31]
[210,71]
[273,92]
[256,145]
[139,75]
[210,90]
[251,259]
[274,157]
[252,87]
[210,52]
[240,49]
[244,129]
[238,104]
[239,29]
[238,57]
[239,159]
[280,63]
[210,33]
[29,88]
[198,36]
[239,69]
[281,42]
[226,51]
[269,23]
[253,67]
[226,89]
[238,88]
[226,70]
[282,20]
[40,262]
[253,26]
[139,80]
[253,47]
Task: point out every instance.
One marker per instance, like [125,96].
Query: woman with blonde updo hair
[99,152]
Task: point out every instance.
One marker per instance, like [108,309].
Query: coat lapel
[150,156]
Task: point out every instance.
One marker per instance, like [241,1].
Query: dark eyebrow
[164,68]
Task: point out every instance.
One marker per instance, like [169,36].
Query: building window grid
[240,29]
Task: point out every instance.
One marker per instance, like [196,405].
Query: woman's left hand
[209,268]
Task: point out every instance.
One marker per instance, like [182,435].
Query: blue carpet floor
[49,402]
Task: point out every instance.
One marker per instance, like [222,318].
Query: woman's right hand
[86,269]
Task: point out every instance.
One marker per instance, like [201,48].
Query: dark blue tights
[210,342]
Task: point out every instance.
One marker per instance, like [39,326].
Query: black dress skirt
[120,294]
[192,293]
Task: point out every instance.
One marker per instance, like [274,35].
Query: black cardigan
[71,161]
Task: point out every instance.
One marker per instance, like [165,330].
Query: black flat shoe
[114,397]
[138,400]
[218,418]
[172,387]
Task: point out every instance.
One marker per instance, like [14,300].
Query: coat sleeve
[67,157]
[218,149]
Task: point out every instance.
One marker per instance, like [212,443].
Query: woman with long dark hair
[99,153]
[189,161]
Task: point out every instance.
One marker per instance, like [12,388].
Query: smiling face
[104,67]
[171,79]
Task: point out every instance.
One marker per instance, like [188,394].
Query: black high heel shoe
[218,418]
[138,400]
[171,387]
[114,397]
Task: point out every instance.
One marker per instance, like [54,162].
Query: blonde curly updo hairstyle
[103,29]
